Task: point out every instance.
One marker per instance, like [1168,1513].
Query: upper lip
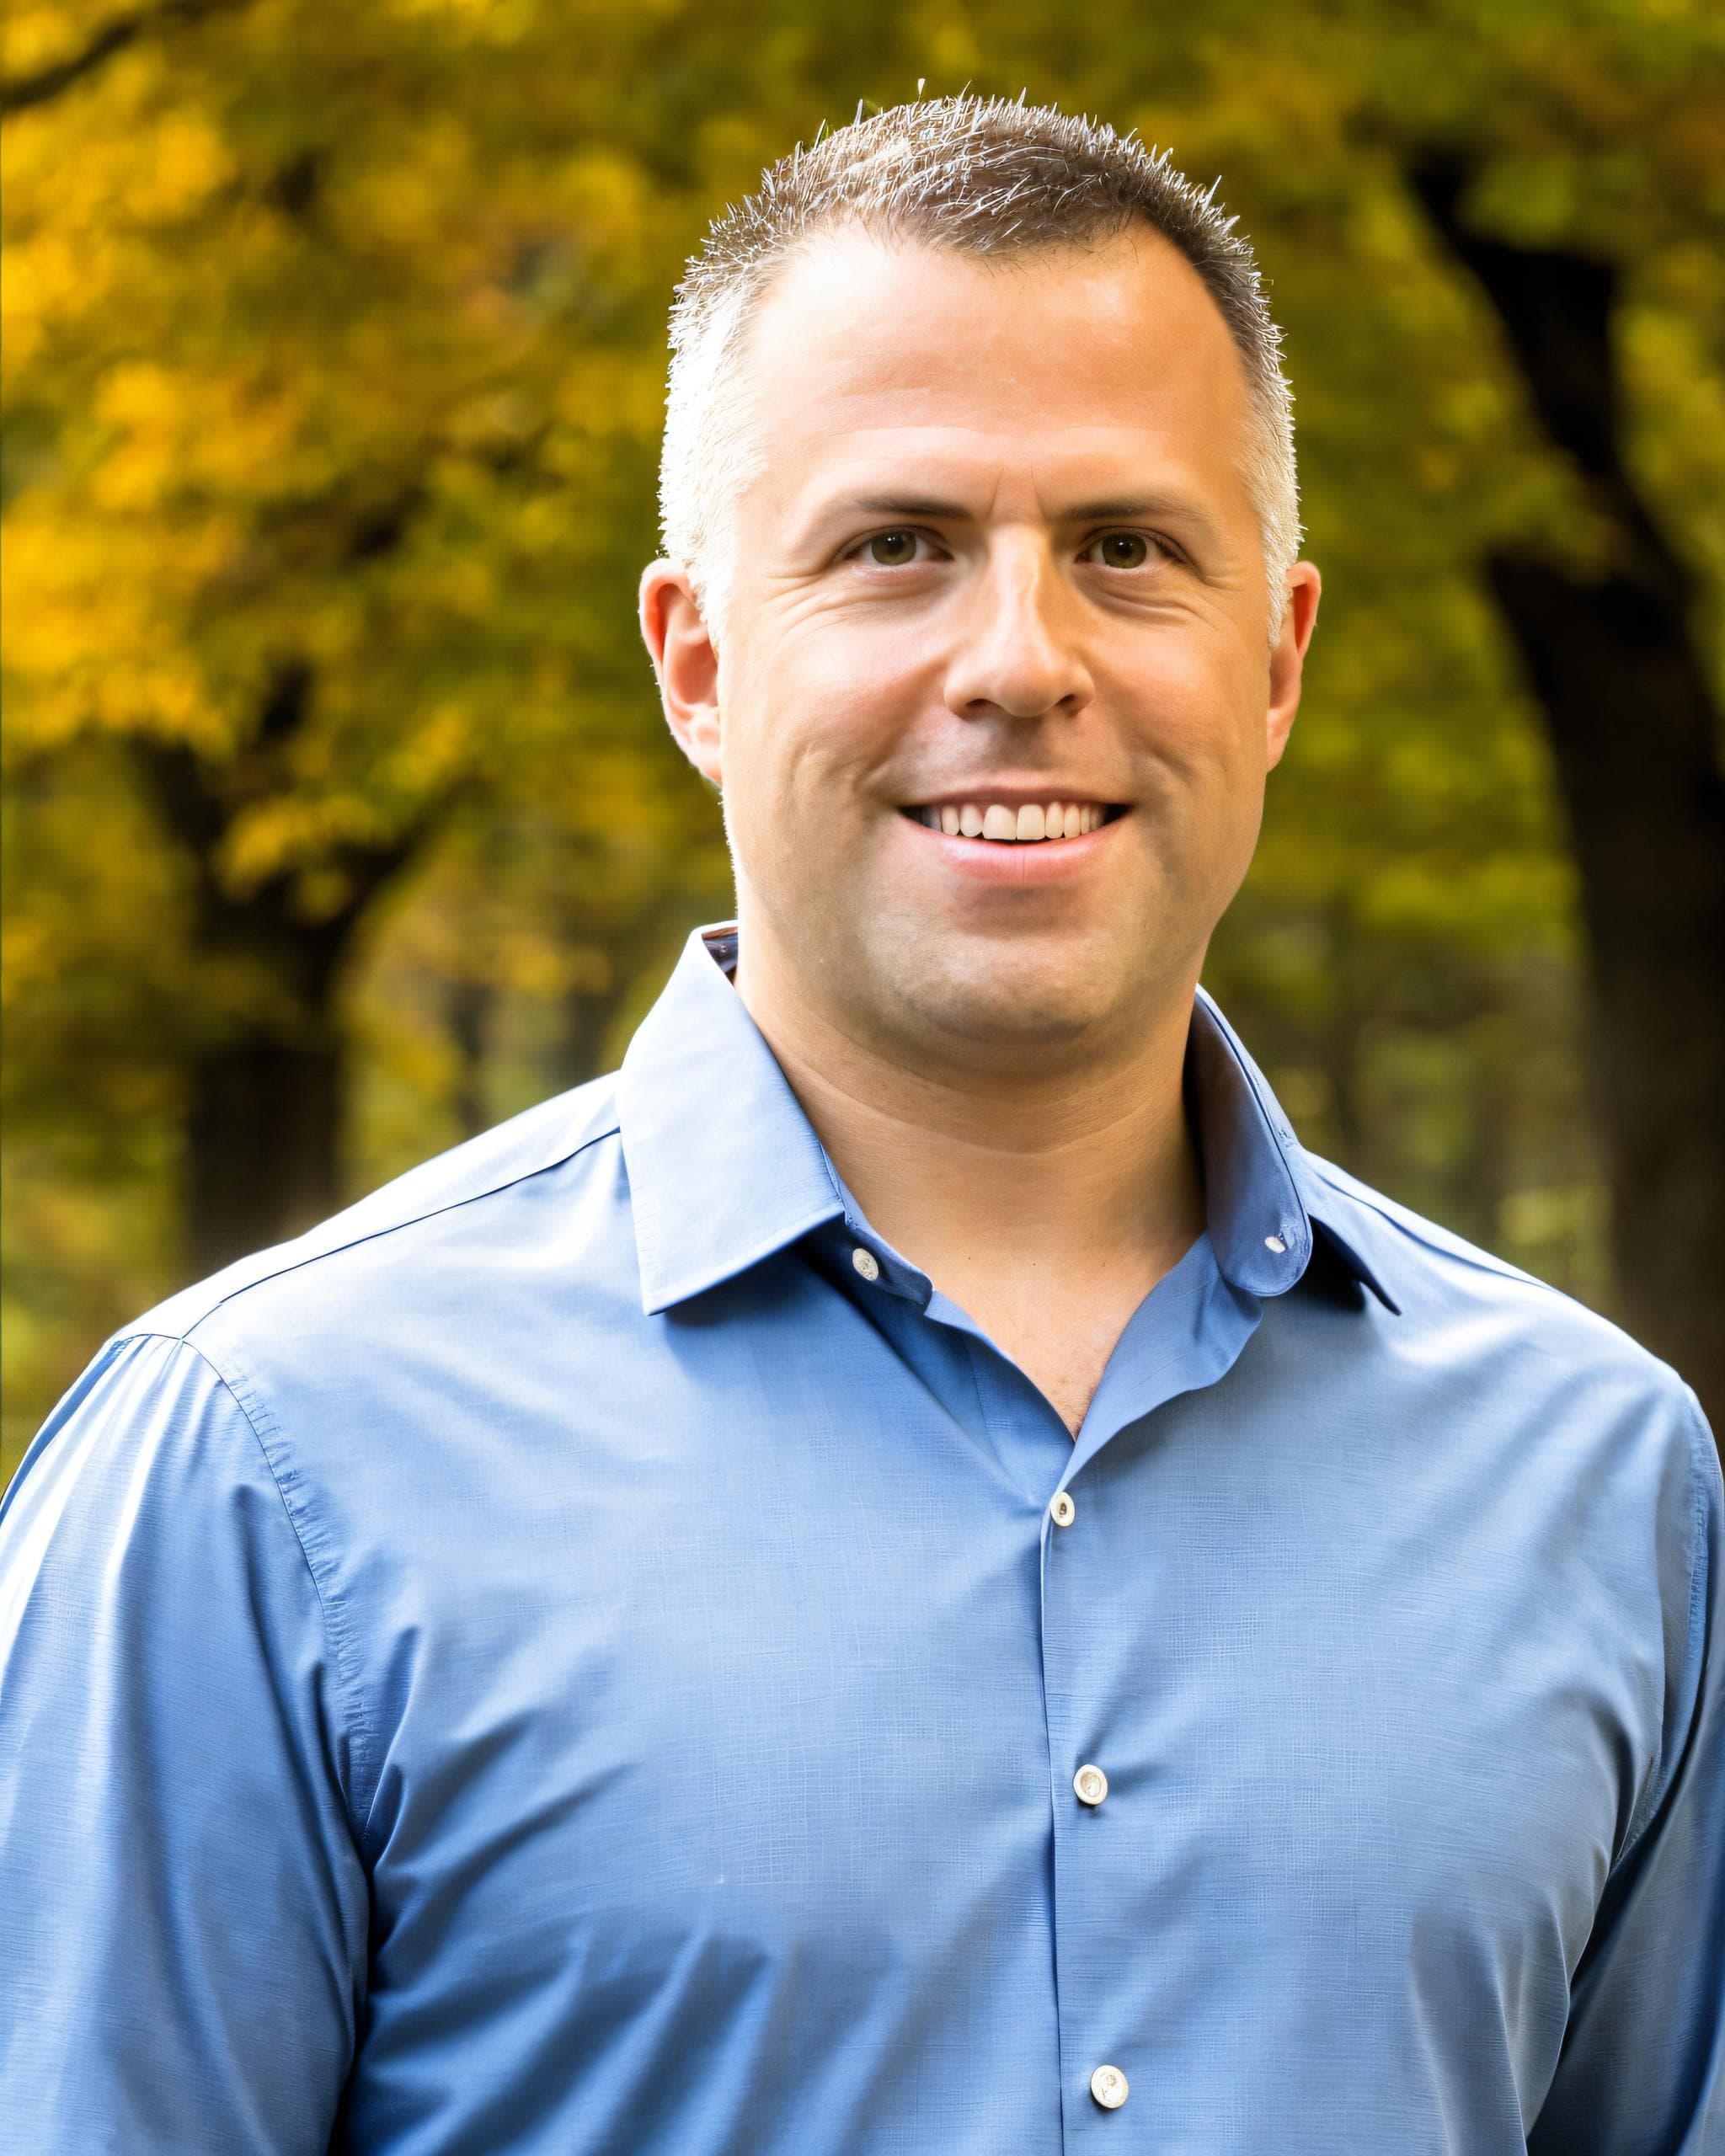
[1014,796]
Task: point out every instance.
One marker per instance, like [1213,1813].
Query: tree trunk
[1647,812]
[266,1092]
[470,1008]
[263,1136]
[266,1089]
[1634,736]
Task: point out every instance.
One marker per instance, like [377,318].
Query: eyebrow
[1116,509]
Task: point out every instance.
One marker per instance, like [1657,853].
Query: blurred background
[340,818]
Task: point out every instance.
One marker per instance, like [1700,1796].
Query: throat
[1058,1323]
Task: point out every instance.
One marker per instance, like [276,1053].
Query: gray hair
[979,176]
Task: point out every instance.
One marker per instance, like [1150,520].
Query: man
[911,1574]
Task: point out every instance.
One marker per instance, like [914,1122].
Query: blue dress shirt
[589,1651]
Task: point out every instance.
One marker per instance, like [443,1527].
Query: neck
[1012,1191]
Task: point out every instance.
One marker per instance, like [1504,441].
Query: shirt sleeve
[185,1910]
[1642,2067]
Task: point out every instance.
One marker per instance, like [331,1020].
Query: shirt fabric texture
[567,1658]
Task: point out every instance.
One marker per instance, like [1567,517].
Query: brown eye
[891,550]
[1122,550]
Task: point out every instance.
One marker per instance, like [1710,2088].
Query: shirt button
[867,1264]
[1063,1511]
[1091,1785]
[1276,1244]
[1108,2084]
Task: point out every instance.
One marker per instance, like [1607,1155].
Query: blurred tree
[1612,656]
[340,815]
[320,390]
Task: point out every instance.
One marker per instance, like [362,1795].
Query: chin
[992,1008]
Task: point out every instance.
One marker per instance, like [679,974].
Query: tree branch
[1555,307]
[47,83]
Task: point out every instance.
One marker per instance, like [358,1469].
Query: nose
[1017,651]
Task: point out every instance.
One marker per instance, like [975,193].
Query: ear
[685,659]
[1288,657]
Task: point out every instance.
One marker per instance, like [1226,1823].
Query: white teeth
[1056,819]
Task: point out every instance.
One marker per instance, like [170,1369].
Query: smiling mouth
[1006,823]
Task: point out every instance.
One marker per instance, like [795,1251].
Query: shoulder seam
[1482,1261]
[63,1409]
[139,1329]
[257,1417]
[1664,1768]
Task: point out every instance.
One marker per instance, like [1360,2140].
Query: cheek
[811,721]
[1197,728]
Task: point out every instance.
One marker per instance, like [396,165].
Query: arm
[1642,2070]
[185,1909]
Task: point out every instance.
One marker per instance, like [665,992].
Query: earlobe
[685,661]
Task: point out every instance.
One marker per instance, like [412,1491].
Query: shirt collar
[725,1169]
[1255,1168]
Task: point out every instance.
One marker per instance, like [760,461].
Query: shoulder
[454,1213]
[1441,1281]
[1480,1350]
[1522,1407]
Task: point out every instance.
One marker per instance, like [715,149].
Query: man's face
[1001,556]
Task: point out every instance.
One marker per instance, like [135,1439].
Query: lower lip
[1024,864]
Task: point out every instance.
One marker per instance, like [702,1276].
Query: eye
[1123,550]
[891,550]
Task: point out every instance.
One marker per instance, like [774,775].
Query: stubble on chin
[943,999]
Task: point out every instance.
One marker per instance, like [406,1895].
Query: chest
[822,1681]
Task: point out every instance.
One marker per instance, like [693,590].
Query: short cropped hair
[979,176]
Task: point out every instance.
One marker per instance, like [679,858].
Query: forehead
[1067,366]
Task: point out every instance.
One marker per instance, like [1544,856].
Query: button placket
[1087,2022]
[1101,1576]
[1082,1698]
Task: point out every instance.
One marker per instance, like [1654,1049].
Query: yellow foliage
[332,372]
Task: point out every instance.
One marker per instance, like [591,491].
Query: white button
[1108,2084]
[1063,1511]
[1276,1244]
[867,1264]
[1090,1784]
